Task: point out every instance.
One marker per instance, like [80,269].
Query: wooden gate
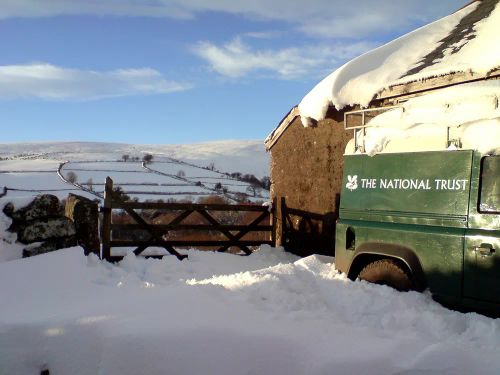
[233,235]
[304,233]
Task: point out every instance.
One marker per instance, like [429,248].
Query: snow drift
[269,313]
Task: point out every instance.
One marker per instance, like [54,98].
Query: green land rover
[423,220]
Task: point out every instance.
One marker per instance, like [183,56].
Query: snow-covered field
[269,313]
[27,169]
[227,156]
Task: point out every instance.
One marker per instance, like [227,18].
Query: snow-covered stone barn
[442,76]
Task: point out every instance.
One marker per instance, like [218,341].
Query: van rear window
[490,185]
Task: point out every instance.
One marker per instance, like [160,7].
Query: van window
[490,185]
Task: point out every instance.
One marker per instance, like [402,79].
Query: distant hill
[247,157]
[233,169]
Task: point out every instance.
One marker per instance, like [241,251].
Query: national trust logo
[352,182]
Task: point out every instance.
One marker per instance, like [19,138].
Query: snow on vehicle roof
[468,114]
[464,41]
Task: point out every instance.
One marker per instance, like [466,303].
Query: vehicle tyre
[387,272]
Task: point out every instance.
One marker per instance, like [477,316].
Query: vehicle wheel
[387,272]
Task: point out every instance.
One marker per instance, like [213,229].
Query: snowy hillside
[177,171]
[269,313]
[227,156]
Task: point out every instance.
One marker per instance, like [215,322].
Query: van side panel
[419,201]
[439,251]
[482,238]
[427,185]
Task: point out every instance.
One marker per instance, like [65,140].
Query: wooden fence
[233,234]
[304,233]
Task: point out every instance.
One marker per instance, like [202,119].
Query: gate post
[283,231]
[106,219]
[273,220]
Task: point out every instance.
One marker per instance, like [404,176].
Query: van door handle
[485,250]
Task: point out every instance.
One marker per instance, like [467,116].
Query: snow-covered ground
[269,313]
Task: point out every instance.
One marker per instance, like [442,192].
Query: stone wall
[43,226]
[306,169]
[85,215]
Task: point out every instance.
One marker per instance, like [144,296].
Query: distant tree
[211,166]
[181,173]
[212,199]
[236,175]
[218,186]
[251,179]
[265,182]
[198,183]
[121,194]
[90,183]
[224,190]
[253,190]
[147,158]
[72,177]
[125,157]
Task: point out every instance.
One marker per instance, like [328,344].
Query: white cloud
[49,8]
[326,18]
[334,18]
[263,34]
[51,82]
[236,59]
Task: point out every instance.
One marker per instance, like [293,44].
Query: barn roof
[465,41]
[454,42]
[282,126]
[462,45]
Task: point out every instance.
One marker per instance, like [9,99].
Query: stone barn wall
[306,169]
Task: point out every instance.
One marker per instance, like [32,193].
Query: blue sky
[179,71]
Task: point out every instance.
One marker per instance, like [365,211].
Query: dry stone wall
[84,213]
[45,225]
